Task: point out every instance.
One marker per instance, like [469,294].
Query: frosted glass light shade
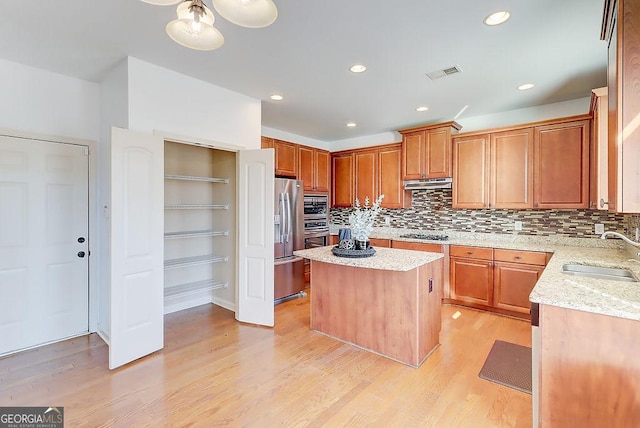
[162,2]
[187,32]
[247,13]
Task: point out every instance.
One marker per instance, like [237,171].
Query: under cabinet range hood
[428,183]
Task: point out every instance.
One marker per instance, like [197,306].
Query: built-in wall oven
[316,221]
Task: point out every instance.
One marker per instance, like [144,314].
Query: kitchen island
[388,303]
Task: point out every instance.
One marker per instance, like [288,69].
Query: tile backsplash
[431,211]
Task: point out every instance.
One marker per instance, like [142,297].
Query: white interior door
[44,288]
[137,230]
[255,237]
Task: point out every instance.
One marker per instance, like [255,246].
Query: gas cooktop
[425,236]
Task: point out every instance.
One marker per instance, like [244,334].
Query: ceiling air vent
[444,72]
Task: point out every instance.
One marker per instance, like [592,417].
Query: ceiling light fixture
[276,97]
[351,125]
[194,26]
[497,18]
[358,68]
[422,108]
[247,13]
[526,86]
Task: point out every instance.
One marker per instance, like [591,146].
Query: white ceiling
[305,55]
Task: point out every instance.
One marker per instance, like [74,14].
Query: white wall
[513,117]
[114,110]
[163,100]
[43,102]
[294,138]
[532,114]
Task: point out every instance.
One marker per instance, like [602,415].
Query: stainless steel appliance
[316,223]
[289,236]
[425,236]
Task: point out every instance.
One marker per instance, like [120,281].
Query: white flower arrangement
[362,218]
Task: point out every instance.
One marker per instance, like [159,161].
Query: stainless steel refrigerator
[289,236]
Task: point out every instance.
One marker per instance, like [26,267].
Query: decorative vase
[362,245]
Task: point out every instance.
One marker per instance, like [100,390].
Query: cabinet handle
[469,252]
[517,257]
[603,202]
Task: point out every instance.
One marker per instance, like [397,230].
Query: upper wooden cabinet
[426,151]
[543,166]
[561,176]
[286,157]
[342,180]
[369,173]
[314,169]
[621,28]
[599,191]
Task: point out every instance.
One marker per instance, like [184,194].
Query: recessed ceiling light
[358,68]
[276,97]
[497,18]
[351,125]
[526,86]
[422,108]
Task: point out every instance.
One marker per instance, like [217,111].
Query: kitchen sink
[599,272]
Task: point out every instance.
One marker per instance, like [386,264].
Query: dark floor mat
[510,365]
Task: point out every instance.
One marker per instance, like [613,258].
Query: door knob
[81,254]
[81,239]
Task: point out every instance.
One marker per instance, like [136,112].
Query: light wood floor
[214,371]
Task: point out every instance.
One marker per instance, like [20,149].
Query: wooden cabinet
[495,279]
[374,171]
[286,156]
[545,165]
[471,270]
[561,176]
[599,169]
[418,246]
[342,180]
[379,242]
[426,151]
[471,171]
[621,28]
[512,169]
[313,169]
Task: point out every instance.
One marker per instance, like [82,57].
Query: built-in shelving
[193,261]
[193,287]
[195,234]
[196,207]
[195,178]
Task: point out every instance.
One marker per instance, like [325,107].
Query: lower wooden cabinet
[499,280]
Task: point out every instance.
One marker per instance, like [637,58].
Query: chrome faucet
[621,236]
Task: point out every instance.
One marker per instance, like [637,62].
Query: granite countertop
[384,258]
[614,298]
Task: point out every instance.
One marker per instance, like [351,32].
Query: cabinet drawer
[471,252]
[417,246]
[515,256]
[379,242]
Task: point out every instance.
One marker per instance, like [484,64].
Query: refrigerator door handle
[283,218]
[288,211]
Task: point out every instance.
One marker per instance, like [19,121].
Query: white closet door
[137,230]
[255,237]
[43,242]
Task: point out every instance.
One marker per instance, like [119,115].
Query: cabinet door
[512,285]
[306,167]
[323,170]
[286,158]
[512,169]
[438,153]
[471,280]
[413,154]
[366,175]
[267,143]
[561,177]
[342,180]
[471,171]
[390,178]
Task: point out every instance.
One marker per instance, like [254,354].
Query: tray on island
[354,254]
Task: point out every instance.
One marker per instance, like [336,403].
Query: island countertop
[384,259]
